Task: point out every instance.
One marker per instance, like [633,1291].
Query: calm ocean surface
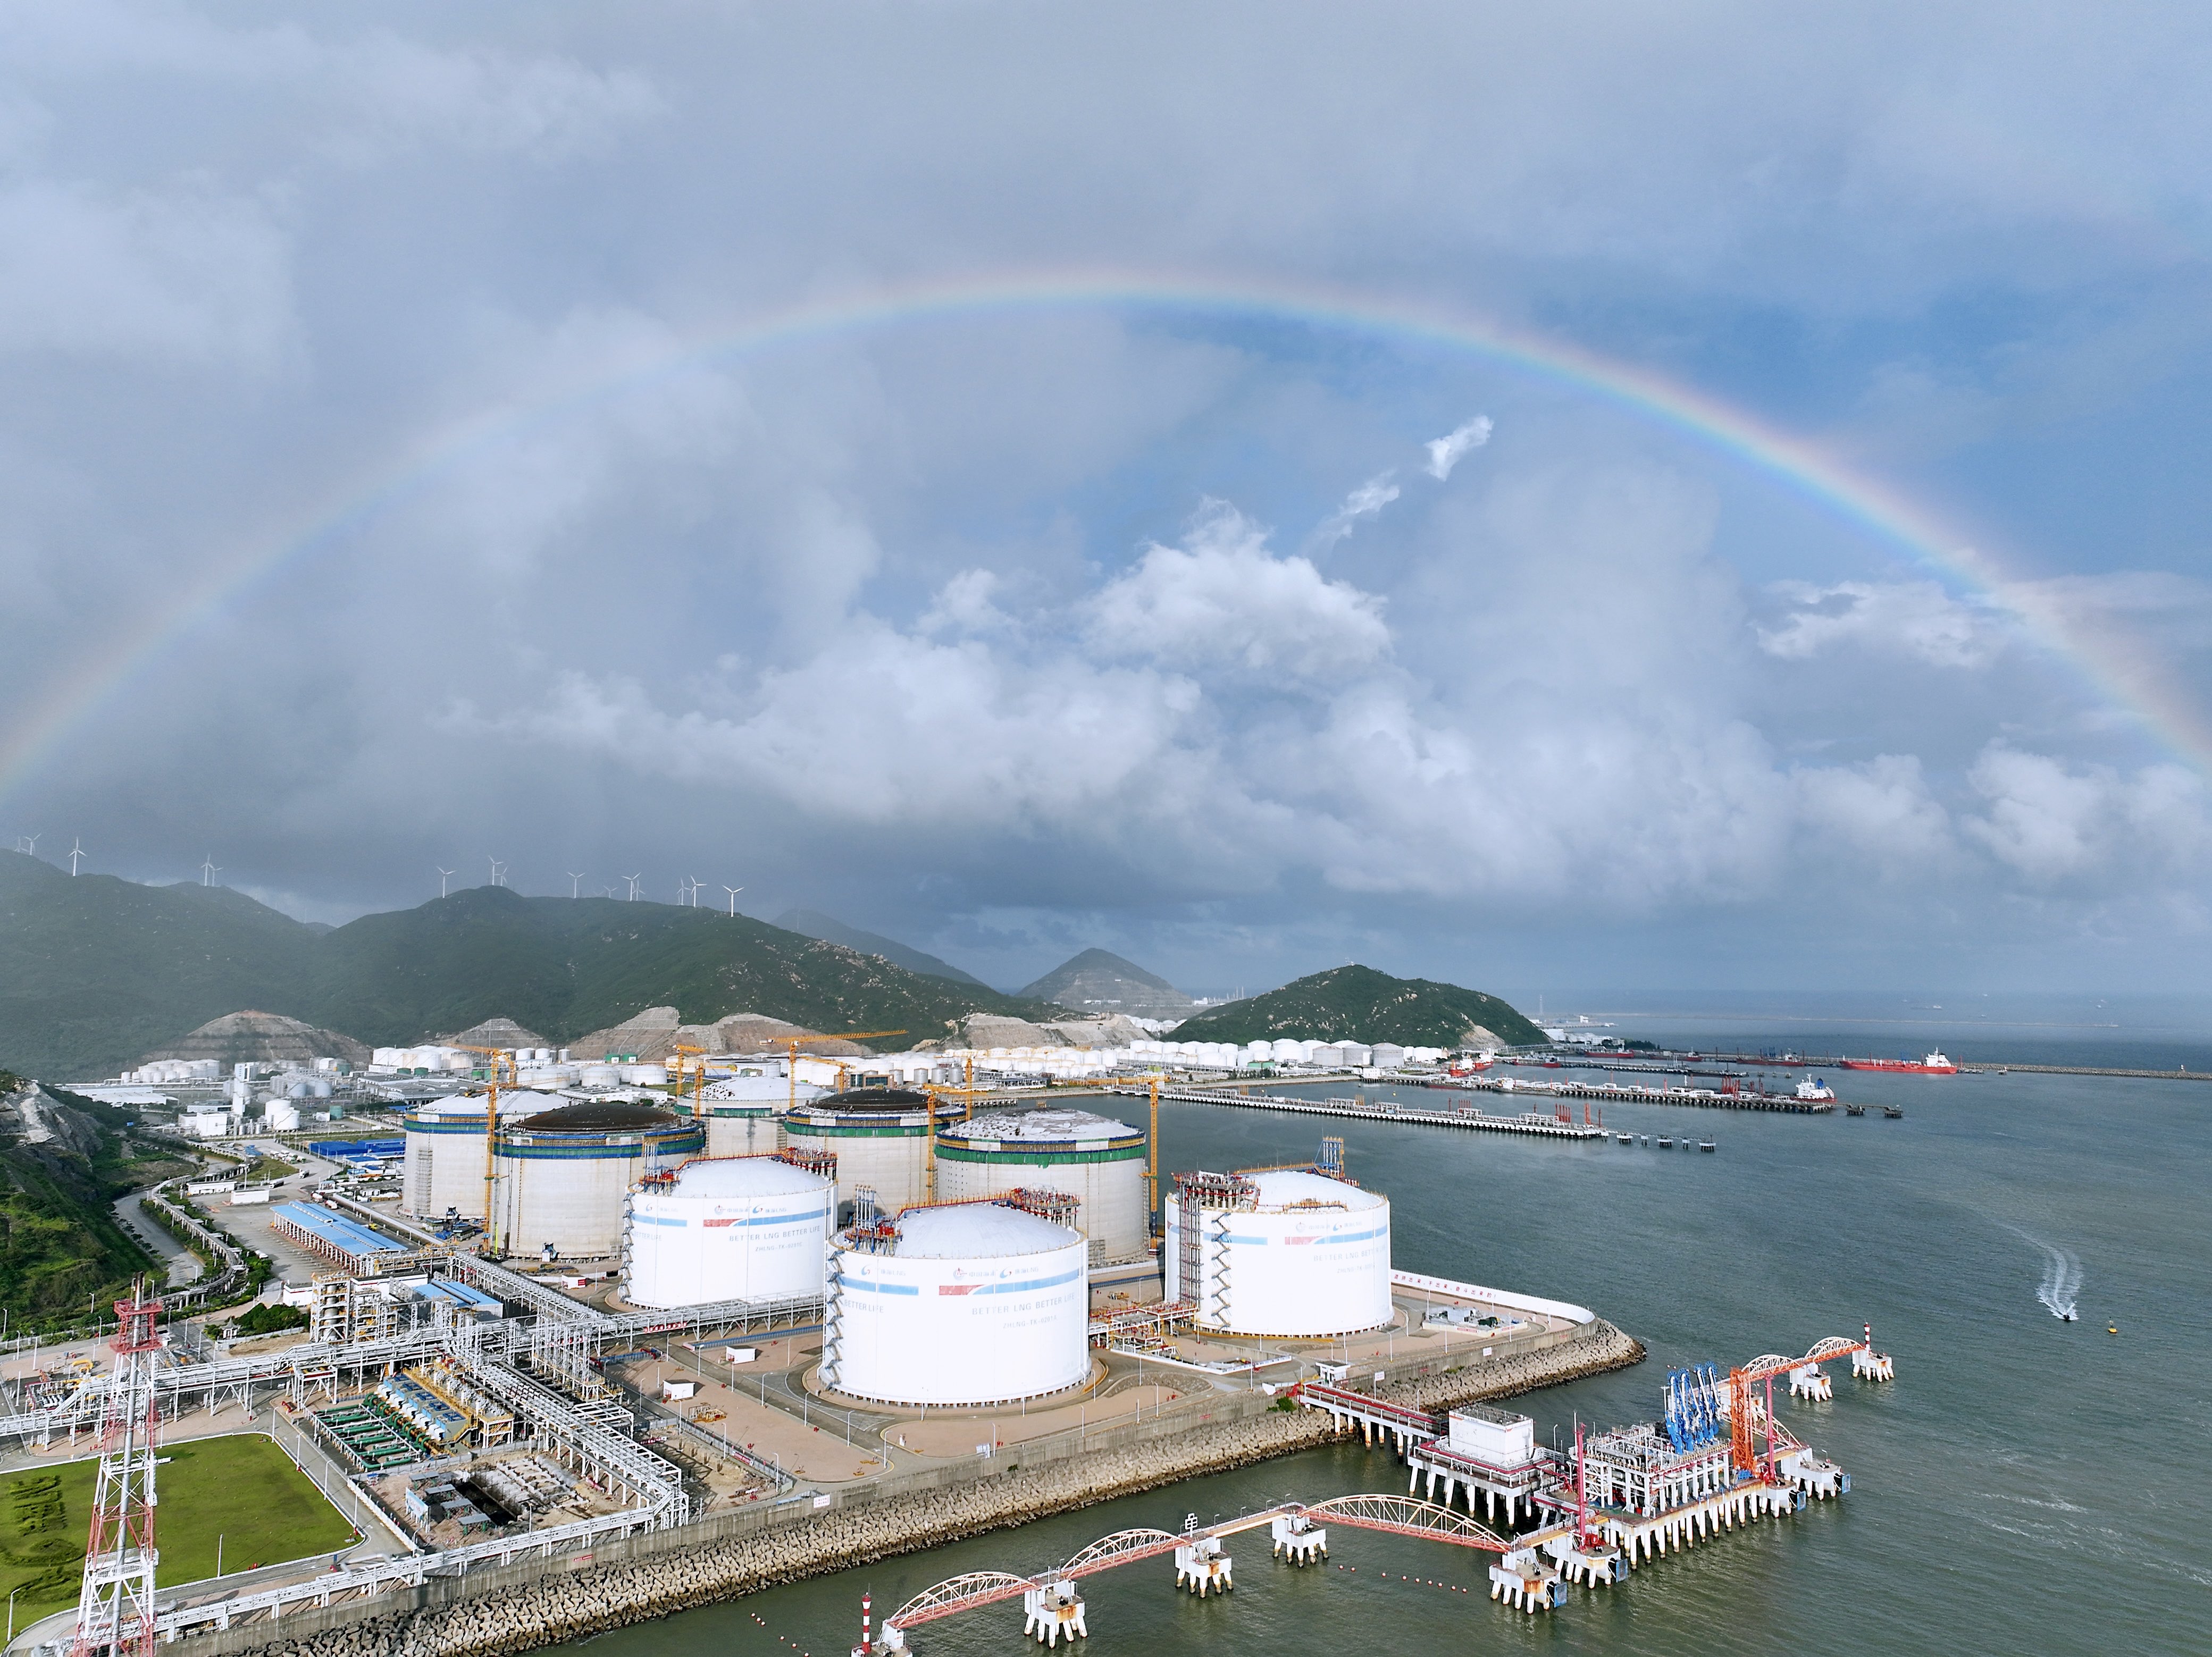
[2025,1487]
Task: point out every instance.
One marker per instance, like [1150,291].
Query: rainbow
[2114,667]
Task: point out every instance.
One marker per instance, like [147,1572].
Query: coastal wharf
[1701,1098]
[1531,1124]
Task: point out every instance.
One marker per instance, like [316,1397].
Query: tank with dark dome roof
[559,1176]
[599,1116]
[879,1135]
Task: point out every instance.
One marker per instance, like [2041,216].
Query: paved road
[184,1265]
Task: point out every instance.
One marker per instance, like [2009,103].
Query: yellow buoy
[2112,1328]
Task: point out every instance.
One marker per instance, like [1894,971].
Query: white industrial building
[444,1166]
[561,1178]
[972,1303]
[719,1228]
[1282,1252]
[1094,1159]
[879,1135]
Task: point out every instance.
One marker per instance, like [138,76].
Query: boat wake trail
[2062,1275]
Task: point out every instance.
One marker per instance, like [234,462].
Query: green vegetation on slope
[96,972]
[62,1250]
[1358,1003]
[813,923]
[240,1489]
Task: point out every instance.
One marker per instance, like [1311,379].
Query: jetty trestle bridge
[1298,1531]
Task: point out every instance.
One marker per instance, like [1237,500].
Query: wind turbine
[695,884]
[498,871]
[28,843]
[443,875]
[209,870]
[76,851]
[733,891]
[575,889]
[633,880]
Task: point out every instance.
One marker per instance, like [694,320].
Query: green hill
[1358,1003]
[1097,982]
[813,923]
[569,966]
[96,972]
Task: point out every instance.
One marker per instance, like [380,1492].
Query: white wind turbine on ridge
[633,880]
[209,870]
[575,882]
[733,891]
[443,875]
[76,851]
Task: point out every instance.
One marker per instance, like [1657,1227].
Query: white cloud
[1448,451]
[2051,822]
[1365,501]
[1881,810]
[1914,619]
[1223,600]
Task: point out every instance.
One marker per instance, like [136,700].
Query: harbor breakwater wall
[521,1607]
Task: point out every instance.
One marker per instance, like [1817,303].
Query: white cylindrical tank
[740,1112]
[1094,1159]
[970,1304]
[284,1118]
[563,1176]
[444,1165]
[645,1076]
[722,1228]
[880,1138]
[598,1076]
[1282,1253]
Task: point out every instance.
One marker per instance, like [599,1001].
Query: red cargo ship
[1934,1064]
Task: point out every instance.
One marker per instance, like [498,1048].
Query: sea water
[2024,1486]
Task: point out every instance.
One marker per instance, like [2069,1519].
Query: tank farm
[906,1324]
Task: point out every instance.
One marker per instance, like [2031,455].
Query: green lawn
[240,1487]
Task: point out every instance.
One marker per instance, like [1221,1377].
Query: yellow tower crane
[491,1133]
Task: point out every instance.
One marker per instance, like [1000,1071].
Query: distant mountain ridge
[97,972]
[1098,984]
[813,923]
[1359,1003]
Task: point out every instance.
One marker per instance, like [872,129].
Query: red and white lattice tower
[115,1609]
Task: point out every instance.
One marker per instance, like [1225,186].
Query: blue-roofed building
[325,1231]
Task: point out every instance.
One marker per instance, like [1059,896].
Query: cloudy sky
[1584,495]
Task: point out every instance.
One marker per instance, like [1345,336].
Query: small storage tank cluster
[722,1228]
[1094,1159]
[1284,1252]
[444,1166]
[965,1304]
[880,1138]
[740,1112]
[561,1177]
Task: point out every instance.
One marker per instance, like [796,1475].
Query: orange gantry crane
[1744,1451]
